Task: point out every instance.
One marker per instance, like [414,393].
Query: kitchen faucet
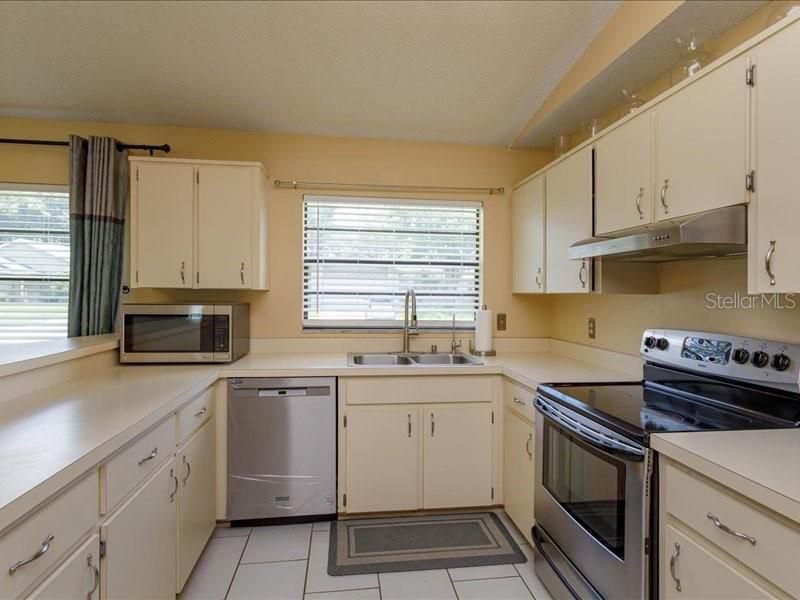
[454,347]
[406,329]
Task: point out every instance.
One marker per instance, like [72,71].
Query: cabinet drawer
[700,572]
[406,390]
[131,466]
[195,414]
[63,521]
[777,545]
[519,399]
[77,577]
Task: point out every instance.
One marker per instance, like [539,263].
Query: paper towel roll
[483,330]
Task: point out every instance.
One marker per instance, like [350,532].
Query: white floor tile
[516,534]
[528,574]
[269,581]
[487,572]
[508,588]
[371,594]
[221,532]
[416,585]
[322,526]
[278,543]
[318,579]
[213,572]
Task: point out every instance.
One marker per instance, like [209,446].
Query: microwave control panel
[221,333]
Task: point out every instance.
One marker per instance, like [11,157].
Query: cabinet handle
[720,525]
[675,554]
[183,272]
[639,203]
[538,278]
[518,401]
[201,412]
[38,554]
[409,425]
[241,273]
[664,196]
[95,579]
[151,456]
[528,445]
[581,273]
[175,491]
[433,425]
[768,262]
[188,470]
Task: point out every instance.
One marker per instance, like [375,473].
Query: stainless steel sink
[386,359]
[444,359]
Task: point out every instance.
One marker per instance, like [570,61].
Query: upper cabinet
[569,220]
[773,243]
[198,224]
[624,177]
[702,143]
[527,236]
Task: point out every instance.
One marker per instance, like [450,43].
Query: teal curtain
[98,190]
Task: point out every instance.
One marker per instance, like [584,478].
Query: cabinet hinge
[137,173]
[345,420]
[492,493]
[750,181]
[137,275]
[492,417]
[344,499]
[750,76]
[102,548]
[198,177]
[197,278]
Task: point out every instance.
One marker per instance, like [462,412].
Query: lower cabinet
[519,471]
[140,560]
[457,456]
[195,463]
[77,577]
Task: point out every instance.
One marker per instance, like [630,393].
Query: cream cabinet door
[224,233]
[381,458]
[527,237]
[140,536]
[624,176]
[702,135]
[775,211]
[518,471]
[162,225]
[77,577]
[457,455]
[690,571]
[569,220]
[196,498]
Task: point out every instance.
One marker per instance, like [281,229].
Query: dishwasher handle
[280,392]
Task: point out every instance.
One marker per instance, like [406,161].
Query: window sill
[17,358]
[392,331]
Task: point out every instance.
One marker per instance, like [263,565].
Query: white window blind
[34,262]
[360,255]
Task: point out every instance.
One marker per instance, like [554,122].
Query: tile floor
[289,562]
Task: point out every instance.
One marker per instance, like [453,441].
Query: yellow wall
[277,313]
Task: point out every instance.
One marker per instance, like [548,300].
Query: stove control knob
[662,343]
[741,356]
[760,359]
[650,341]
[780,362]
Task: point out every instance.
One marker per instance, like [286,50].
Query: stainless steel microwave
[184,333]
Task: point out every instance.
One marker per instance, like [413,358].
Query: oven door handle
[607,444]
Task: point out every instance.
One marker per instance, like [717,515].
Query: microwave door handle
[610,446]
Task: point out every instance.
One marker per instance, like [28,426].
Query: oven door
[590,501]
[177,333]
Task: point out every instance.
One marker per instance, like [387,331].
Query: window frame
[392,199]
[10,186]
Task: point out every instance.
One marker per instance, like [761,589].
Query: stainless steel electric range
[595,472]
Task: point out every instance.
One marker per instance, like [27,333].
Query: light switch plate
[592,328]
[501,321]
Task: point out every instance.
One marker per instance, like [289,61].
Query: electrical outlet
[501,321]
[592,329]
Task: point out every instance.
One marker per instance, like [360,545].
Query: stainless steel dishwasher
[281,447]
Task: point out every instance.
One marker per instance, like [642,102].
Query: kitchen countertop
[763,465]
[52,436]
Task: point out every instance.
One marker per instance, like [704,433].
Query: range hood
[720,232]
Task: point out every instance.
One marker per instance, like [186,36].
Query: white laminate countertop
[50,437]
[763,465]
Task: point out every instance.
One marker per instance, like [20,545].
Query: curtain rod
[296,185]
[165,148]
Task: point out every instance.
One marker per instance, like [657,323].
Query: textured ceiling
[469,72]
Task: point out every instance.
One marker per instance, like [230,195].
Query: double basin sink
[410,360]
